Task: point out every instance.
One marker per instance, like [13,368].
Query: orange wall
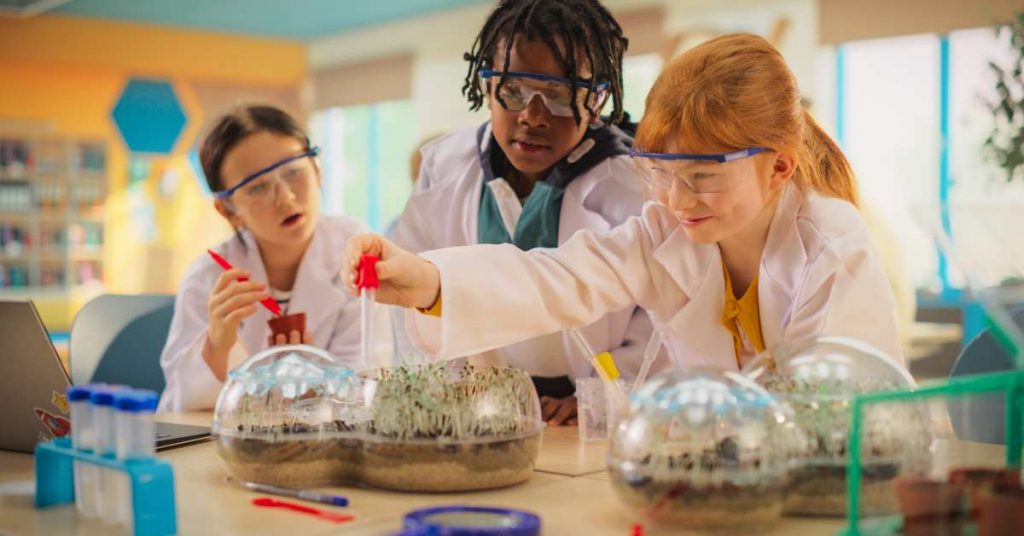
[68,72]
[149,50]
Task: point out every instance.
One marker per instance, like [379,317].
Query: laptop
[33,383]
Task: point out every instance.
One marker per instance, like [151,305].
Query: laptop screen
[33,383]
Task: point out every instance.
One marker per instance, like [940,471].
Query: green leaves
[1004,145]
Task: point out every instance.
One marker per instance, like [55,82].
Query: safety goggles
[259,189]
[520,88]
[701,173]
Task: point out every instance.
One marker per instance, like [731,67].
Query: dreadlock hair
[586,29]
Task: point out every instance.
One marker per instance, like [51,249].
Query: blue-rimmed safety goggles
[701,173]
[556,92]
[225,194]
[713,157]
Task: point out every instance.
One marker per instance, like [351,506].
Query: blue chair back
[982,417]
[118,339]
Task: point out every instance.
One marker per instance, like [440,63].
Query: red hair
[735,92]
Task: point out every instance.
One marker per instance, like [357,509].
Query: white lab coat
[332,314]
[443,212]
[819,275]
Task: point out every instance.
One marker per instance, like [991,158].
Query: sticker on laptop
[58,426]
[60,401]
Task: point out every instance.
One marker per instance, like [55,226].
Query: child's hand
[405,279]
[558,411]
[230,302]
[292,338]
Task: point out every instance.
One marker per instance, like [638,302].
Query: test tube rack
[152,484]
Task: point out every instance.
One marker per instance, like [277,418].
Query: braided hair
[586,29]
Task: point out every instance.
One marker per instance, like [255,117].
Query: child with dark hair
[545,166]
[266,179]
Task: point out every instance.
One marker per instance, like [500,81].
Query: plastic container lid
[472,521]
[136,401]
[79,393]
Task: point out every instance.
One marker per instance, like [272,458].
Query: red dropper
[367,272]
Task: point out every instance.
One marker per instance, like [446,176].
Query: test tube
[83,437]
[136,438]
[102,400]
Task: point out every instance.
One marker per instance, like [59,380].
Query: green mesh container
[939,500]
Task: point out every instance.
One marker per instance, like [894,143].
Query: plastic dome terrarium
[289,416]
[819,377]
[444,428]
[698,448]
[295,416]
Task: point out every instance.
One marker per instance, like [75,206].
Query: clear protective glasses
[520,88]
[259,190]
[701,173]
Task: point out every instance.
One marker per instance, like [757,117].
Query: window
[891,135]
[915,140]
[365,157]
[638,75]
[986,213]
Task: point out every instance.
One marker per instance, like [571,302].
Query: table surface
[569,491]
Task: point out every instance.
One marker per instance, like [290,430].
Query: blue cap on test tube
[102,397]
[78,393]
[136,401]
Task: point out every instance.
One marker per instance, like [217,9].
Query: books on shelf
[52,192]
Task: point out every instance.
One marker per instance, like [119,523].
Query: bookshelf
[52,194]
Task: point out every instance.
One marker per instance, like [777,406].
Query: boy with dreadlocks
[543,167]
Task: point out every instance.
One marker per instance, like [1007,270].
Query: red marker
[268,302]
[267,502]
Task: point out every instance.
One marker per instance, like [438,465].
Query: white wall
[438,42]
[798,46]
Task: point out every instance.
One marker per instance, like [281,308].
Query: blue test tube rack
[152,484]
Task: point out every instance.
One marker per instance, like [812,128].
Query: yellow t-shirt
[742,314]
[433,310]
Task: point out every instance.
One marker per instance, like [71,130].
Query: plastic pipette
[368,285]
[605,367]
[650,354]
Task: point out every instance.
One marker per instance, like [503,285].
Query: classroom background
[101,190]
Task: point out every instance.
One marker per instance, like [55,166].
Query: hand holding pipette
[405,279]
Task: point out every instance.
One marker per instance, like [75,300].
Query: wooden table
[569,490]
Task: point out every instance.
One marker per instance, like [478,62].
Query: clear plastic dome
[700,447]
[296,416]
[444,428]
[288,415]
[819,377]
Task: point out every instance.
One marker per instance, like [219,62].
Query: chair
[118,339]
[982,418]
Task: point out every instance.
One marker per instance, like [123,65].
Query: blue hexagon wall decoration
[149,116]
